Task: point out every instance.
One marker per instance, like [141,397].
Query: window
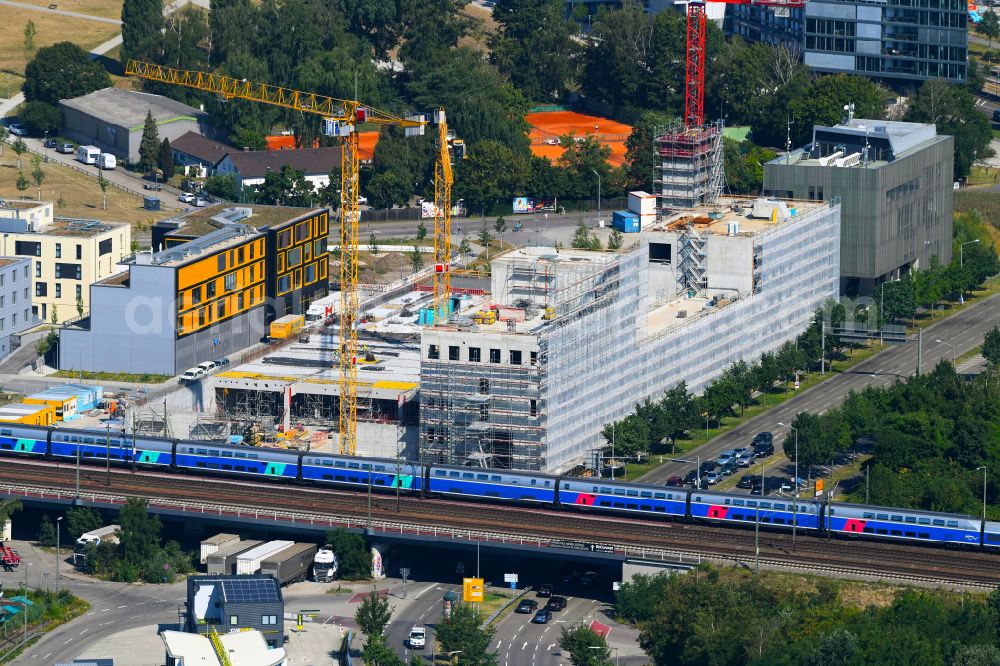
[221,266]
[484,385]
[251,272]
[234,620]
[319,247]
[1,301]
[230,282]
[1,323]
[27,249]
[494,356]
[239,255]
[58,250]
[433,352]
[104,247]
[515,357]
[71,271]
[301,231]
[474,353]
[310,273]
[268,619]
[253,246]
[13,296]
[38,269]
[26,317]
[201,317]
[533,407]
[25,293]
[294,257]
[210,289]
[196,296]
[284,283]
[25,271]
[284,239]
[240,302]
[79,291]
[533,356]
[79,252]
[453,352]
[13,276]
[220,309]
[13,320]
[41,289]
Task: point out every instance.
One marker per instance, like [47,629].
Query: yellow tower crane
[442,223]
[340,118]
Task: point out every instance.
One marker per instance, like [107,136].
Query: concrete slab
[135,647]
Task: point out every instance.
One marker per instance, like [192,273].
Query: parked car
[556,603]
[51,143]
[725,459]
[155,187]
[763,437]
[527,606]
[691,477]
[200,202]
[185,197]
[17,129]
[220,362]
[746,459]
[207,366]
[763,449]
[728,470]
[545,591]
[542,617]
[675,481]
[192,375]
[66,148]
[417,638]
[746,481]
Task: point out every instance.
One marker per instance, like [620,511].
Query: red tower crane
[694,71]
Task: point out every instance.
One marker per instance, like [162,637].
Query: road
[964,330]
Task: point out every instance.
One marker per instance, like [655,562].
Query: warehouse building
[219,277]
[697,292]
[66,256]
[15,301]
[894,184]
[112,119]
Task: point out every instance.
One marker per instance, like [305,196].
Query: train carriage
[237,460]
[358,472]
[622,497]
[23,440]
[114,447]
[747,509]
[492,484]
[905,524]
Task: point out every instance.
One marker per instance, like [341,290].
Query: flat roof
[674,313]
[21,409]
[199,221]
[751,215]
[7,261]
[77,228]
[22,204]
[534,254]
[128,108]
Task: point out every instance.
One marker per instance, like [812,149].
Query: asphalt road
[963,331]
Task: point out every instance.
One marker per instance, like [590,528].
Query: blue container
[625,222]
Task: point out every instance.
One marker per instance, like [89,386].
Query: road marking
[45,658]
[106,610]
[121,607]
[141,603]
[68,642]
[84,631]
[525,645]
[549,648]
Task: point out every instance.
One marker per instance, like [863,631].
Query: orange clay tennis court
[550,125]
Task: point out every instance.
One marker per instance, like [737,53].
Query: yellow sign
[472,590]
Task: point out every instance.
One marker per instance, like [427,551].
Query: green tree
[989,27]
[581,237]
[897,300]
[823,100]
[9,507]
[82,519]
[287,187]
[4,133]
[461,632]
[142,28]
[223,186]
[485,239]
[20,148]
[493,172]
[373,244]
[38,175]
[353,559]
[745,166]
[62,71]
[46,531]
[953,110]
[416,258]
[991,346]
[40,117]
[616,240]
[149,144]
[103,183]
[464,247]
[534,47]
[21,183]
[820,437]
[629,436]
[139,540]
[585,646]
[421,231]
[500,226]
[373,615]
[29,40]
[165,160]
[640,158]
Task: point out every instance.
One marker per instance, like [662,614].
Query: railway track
[842,556]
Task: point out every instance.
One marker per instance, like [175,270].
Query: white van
[107,161]
[88,154]
[417,638]
[207,366]
[192,375]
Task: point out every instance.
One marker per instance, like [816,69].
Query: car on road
[712,478]
[17,129]
[542,617]
[553,141]
[746,481]
[545,591]
[155,187]
[676,481]
[786,484]
[207,366]
[556,603]
[199,202]
[460,568]
[527,606]
[746,459]
[220,362]
[50,143]
[417,638]
[588,578]
[763,449]
[725,459]
[185,197]
[762,438]
[691,477]
[728,470]
[192,375]
[66,148]
[996,115]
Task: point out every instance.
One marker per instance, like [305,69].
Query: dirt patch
[866,595]
[548,126]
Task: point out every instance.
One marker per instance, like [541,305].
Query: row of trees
[727,617]
[678,411]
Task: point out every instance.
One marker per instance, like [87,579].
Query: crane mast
[340,119]
[442,223]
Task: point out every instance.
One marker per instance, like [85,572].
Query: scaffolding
[691,170]
[693,266]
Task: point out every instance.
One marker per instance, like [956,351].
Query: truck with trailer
[291,564]
[249,561]
[212,544]
[223,561]
[325,565]
[106,534]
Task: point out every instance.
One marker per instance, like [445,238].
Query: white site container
[249,562]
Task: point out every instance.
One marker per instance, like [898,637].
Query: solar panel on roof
[250,591]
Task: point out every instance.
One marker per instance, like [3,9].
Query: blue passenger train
[491,485]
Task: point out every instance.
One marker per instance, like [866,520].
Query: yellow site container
[485,317]
[287,326]
[64,407]
[39,415]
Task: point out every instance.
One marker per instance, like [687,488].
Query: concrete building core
[894,184]
[581,337]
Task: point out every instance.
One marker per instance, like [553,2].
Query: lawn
[987,203]
[50,28]
[79,193]
[112,377]
[111,9]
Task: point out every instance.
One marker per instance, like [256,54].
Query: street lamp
[984,490]
[58,555]
[697,470]
[942,342]
[594,171]
[795,482]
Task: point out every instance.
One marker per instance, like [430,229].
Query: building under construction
[574,339]
[689,165]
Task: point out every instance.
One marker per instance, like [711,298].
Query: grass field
[111,9]
[50,28]
[80,195]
